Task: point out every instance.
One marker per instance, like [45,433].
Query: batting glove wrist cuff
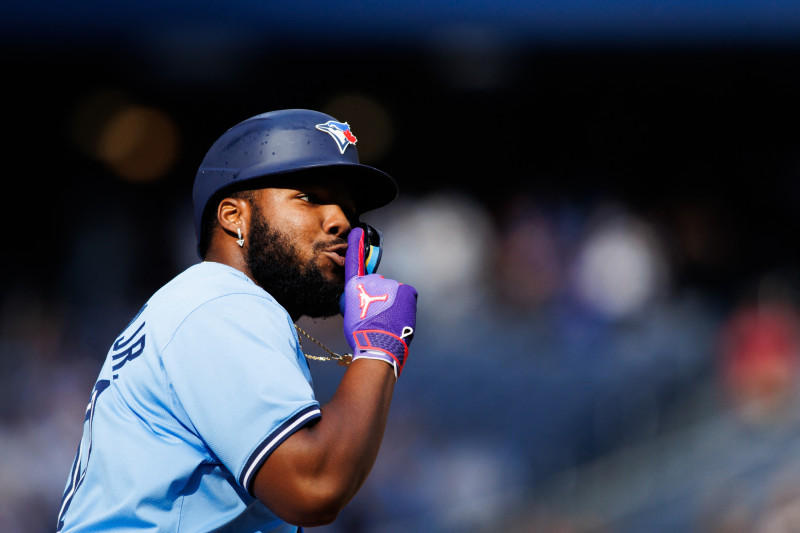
[383,345]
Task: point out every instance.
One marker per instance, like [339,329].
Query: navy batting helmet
[281,142]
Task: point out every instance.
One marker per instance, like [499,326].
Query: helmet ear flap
[285,142]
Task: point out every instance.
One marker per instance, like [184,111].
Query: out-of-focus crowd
[565,377]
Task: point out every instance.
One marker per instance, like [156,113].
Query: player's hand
[379,314]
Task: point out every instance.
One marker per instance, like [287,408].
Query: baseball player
[203,417]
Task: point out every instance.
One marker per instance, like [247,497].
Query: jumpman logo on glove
[367,299]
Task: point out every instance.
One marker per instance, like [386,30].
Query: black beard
[274,263]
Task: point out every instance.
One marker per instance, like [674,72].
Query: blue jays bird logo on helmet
[340,131]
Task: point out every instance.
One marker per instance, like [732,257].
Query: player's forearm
[352,425]
[321,467]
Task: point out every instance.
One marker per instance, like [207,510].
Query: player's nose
[336,221]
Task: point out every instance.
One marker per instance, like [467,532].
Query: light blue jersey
[201,387]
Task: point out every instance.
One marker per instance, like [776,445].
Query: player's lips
[337,254]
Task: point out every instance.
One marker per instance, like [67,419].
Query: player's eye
[304,197]
[351,215]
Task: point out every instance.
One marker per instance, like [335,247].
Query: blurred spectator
[781,513]
[528,268]
[760,347]
[621,267]
[441,243]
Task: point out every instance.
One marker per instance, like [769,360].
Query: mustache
[322,246]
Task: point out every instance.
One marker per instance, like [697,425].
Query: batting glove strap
[380,344]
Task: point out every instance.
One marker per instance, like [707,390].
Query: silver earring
[240,241]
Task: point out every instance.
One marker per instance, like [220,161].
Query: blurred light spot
[621,267]
[91,115]
[139,143]
[370,121]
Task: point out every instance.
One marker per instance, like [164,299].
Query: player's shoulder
[208,282]
[212,277]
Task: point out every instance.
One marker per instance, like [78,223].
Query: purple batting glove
[379,314]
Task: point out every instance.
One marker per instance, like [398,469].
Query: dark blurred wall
[666,129]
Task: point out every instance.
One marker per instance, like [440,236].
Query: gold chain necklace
[342,360]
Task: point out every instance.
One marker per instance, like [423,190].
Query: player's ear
[233,214]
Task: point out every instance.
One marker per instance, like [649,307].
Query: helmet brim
[368,187]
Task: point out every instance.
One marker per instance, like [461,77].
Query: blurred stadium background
[599,209]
